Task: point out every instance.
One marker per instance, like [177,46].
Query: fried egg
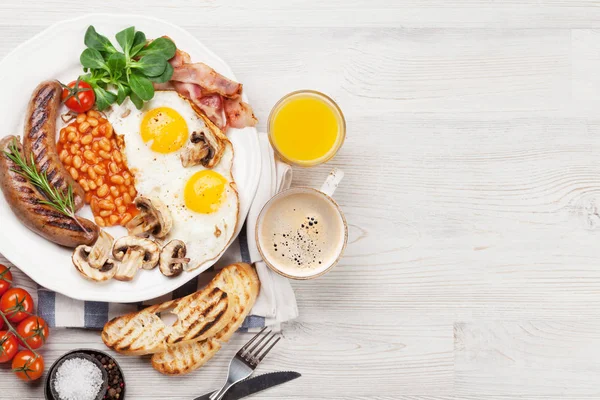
[203,202]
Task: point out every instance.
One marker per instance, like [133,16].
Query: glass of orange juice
[306,128]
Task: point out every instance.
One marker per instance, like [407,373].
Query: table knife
[256,384]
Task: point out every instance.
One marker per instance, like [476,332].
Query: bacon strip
[217,96]
[209,79]
[238,113]
[211,105]
[163,86]
[180,58]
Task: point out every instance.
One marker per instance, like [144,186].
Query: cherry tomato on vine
[16,304]
[78,96]
[27,365]
[5,279]
[8,346]
[34,331]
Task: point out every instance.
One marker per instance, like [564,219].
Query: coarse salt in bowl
[78,377]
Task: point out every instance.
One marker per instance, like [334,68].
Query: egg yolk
[204,191]
[166,128]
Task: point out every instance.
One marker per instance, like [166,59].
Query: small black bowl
[88,354]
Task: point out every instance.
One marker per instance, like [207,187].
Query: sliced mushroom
[81,261]
[126,270]
[154,218]
[204,148]
[133,253]
[100,251]
[172,258]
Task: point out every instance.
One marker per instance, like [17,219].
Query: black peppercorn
[116,386]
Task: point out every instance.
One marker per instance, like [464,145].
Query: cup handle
[332,181]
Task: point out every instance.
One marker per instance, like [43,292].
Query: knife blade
[256,384]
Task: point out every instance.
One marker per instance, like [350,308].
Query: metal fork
[246,360]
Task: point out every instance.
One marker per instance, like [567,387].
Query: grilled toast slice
[181,359]
[239,281]
[199,316]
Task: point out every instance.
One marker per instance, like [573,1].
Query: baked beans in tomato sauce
[91,152]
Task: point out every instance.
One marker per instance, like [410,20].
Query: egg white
[163,177]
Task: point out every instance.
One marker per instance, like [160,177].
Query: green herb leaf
[161,46]
[104,98]
[94,77]
[91,58]
[141,86]
[114,75]
[125,39]
[116,64]
[165,76]
[151,65]
[139,41]
[139,103]
[87,78]
[122,92]
[94,40]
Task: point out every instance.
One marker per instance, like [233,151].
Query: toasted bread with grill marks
[239,281]
[181,359]
[200,315]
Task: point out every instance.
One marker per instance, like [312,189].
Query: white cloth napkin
[276,301]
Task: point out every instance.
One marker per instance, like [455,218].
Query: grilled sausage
[27,204]
[40,138]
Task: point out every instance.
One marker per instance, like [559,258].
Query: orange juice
[306,128]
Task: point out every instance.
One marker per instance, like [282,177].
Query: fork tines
[254,355]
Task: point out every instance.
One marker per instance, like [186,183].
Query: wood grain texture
[307,13]
[472,193]
[514,358]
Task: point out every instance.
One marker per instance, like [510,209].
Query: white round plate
[54,54]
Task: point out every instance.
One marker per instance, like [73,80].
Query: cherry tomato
[27,365]
[8,346]
[78,96]
[16,304]
[5,279]
[34,330]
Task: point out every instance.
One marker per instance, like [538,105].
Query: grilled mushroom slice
[203,148]
[172,258]
[81,258]
[154,218]
[133,253]
[100,251]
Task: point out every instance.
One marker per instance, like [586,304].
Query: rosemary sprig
[59,200]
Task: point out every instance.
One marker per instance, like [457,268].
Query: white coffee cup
[301,232]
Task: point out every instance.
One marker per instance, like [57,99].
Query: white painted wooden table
[472,192]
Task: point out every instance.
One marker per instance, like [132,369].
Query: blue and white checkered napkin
[276,302]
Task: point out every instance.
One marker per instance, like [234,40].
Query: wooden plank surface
[472,193]
[514,358]
[307,13]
